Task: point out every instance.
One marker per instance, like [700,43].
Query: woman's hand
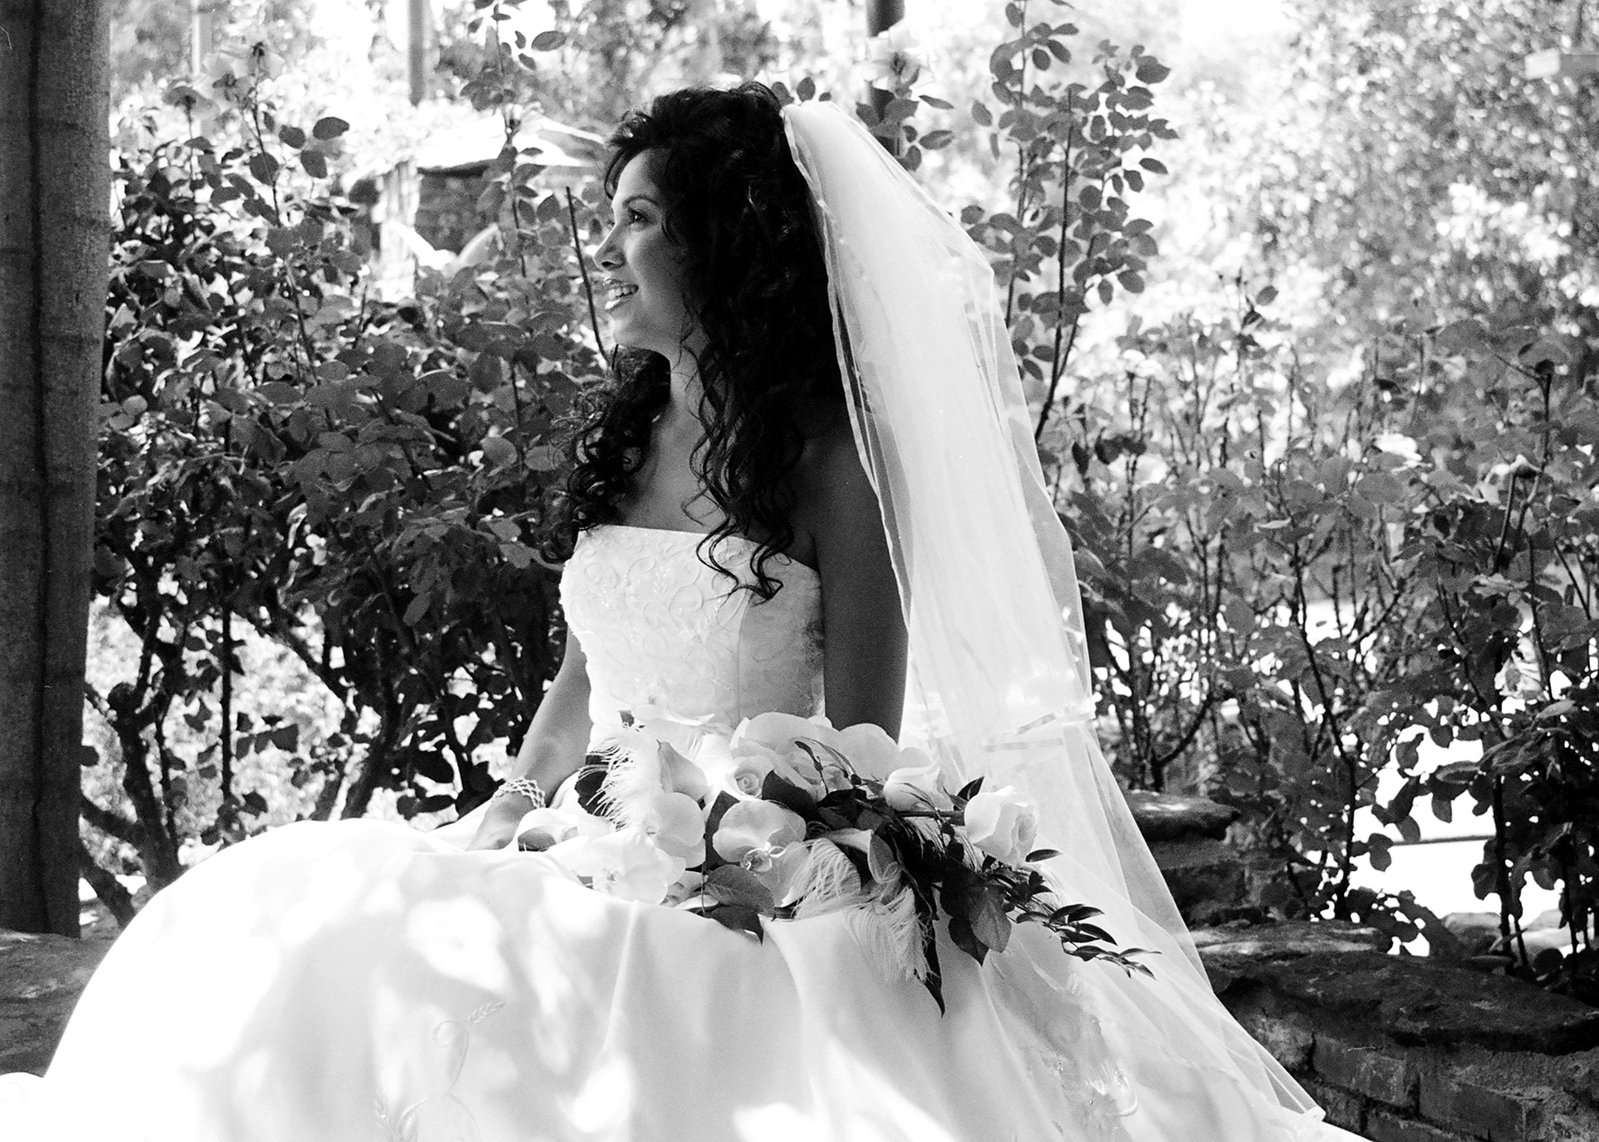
[551,751]
[501,816]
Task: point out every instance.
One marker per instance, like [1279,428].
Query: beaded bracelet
[521,786]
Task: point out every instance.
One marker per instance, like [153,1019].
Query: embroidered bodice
[664,632]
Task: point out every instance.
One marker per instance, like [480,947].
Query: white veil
[999,666]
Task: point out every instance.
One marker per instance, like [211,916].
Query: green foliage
[1295,571]
[355,481]
[597,57]
[1413,162]
[1079,137]
[1503,541]
[1325,575]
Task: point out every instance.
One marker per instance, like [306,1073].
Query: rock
[1415,1001]
[1234,952]
[40,980]
[1172,816]
[1202,874]
[1288,939]
[1476,931]
[1535,940]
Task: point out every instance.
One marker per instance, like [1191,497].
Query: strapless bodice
[665,633]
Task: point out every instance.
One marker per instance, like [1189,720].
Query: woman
[751,528]
[728,420]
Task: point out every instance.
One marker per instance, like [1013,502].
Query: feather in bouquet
[787,817]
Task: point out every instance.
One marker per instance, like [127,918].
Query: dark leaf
[987,917]
[263,167]
[964,938]
[738,918]
[779,789]
[731,884]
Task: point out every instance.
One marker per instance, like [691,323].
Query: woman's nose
[608,255]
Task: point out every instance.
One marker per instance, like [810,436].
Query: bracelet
[521,787]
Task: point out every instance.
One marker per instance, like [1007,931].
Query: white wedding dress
[364,980]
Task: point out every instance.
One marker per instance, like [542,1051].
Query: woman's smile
[645,291]
[616,292]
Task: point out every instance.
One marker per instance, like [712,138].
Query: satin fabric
[365,980]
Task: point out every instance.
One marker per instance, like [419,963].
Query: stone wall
[1401,1049]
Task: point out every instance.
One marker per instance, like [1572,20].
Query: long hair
[754,273]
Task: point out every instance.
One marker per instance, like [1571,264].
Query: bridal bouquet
[787,817]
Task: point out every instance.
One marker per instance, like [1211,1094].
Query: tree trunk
[54,191]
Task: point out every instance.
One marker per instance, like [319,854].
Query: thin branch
[583,269]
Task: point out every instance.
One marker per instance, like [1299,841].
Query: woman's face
[645,292]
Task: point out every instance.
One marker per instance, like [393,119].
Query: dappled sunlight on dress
[363,980]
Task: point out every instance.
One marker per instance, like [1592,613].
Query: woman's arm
[552,750]
[558,737]
[863,625]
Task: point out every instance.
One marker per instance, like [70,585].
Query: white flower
[893,58]
[772,741]
[714,757]
[685,890]
[676,825]
[782,870]
[184,95]
[682,776]
[915,787]
[639,766]
[1002,824]
[872,752]
[779,731]
[752,832]
[258,56]
[624,864]
[749,773]
[766,839]
[549,825]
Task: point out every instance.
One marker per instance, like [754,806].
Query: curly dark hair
[753,264]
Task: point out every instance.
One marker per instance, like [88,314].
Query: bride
[811,487]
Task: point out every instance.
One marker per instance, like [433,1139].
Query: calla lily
[549,825]
[685,890]
[873,753]
[680,775]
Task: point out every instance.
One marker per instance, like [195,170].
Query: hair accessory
[521,787]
